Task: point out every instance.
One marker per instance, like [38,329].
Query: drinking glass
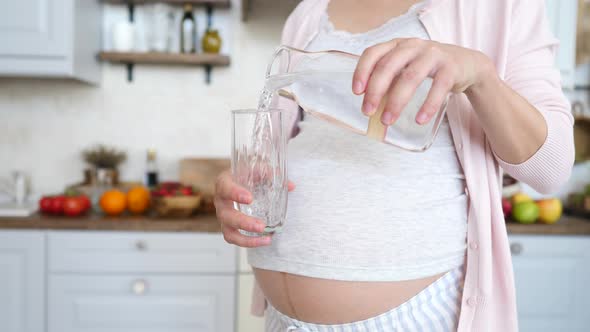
[159,23]
[321,84]
[259,164]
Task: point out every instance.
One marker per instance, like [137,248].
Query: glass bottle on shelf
[151,169]
[188,31]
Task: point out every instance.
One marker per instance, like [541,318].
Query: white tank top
[364,210]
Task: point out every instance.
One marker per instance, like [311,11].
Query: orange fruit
[113,202]
[138,200]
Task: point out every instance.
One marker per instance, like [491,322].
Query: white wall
[44,124]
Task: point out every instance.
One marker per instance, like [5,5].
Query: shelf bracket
[130,72]
[208,70]
[131,8]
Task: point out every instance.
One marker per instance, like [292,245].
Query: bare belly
[323,301]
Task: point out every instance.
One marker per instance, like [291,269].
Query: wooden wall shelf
[216,3]
[199,59]
[166,58]
[132,58]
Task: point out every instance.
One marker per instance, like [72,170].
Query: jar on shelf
[211,41]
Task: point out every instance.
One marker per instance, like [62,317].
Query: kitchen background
[60,274]
[168,108]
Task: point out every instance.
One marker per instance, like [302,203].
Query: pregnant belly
[323,301]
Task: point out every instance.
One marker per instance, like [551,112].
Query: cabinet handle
[141,245]
[516,248]
[139,287]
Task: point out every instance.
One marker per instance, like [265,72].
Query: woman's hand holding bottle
[395,69]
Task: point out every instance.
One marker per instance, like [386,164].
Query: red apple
[506,207]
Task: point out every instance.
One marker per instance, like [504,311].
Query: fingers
[408,81]
[228,216]
[233,236]
[443,83]
[384,72]
[367,63]
[291,186]
[227,189]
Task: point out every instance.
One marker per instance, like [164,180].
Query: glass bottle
[151,169]
[321,84]
[188,31]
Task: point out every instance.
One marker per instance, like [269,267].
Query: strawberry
[186,191]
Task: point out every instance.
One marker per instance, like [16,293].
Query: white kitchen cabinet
[243,266]
[562,19]
[246,321]
[50,38]
[137,281]
[22,281]
[133,252]
[141,303]
[551,276]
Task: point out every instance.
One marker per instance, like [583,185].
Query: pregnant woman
[379,239]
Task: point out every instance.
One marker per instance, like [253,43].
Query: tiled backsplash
[44,124]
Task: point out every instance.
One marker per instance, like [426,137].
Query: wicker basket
[177,206]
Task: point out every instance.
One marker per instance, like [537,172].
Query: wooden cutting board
[202,172]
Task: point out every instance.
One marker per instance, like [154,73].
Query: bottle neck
[151,165]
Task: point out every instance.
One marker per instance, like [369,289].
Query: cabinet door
[35,27]
[139,252]
[246,321]
[141,303]
[562,19]
[551,276]
[22,280]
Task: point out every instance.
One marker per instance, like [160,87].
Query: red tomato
[86,201]
[74,206]
[46,204]
[57,204]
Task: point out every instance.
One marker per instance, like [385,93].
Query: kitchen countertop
[200,223]
[567,225]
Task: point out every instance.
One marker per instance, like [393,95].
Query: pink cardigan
[516,36]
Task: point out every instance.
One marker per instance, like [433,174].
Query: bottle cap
[151,154]
[188,7]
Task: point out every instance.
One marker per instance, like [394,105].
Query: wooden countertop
[208,223]
[568,225]
[199,223]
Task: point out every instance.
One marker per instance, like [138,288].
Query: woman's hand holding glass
[226,193]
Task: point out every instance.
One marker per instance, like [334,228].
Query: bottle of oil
[188,31]
[151,169]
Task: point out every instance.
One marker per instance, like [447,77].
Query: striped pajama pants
[436,309]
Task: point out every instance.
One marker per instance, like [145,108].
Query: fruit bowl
[173,199]
[176,206]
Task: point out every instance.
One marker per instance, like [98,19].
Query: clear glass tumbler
[259,164]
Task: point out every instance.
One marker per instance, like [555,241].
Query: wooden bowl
[177,206]
[582,139]
[207,205]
